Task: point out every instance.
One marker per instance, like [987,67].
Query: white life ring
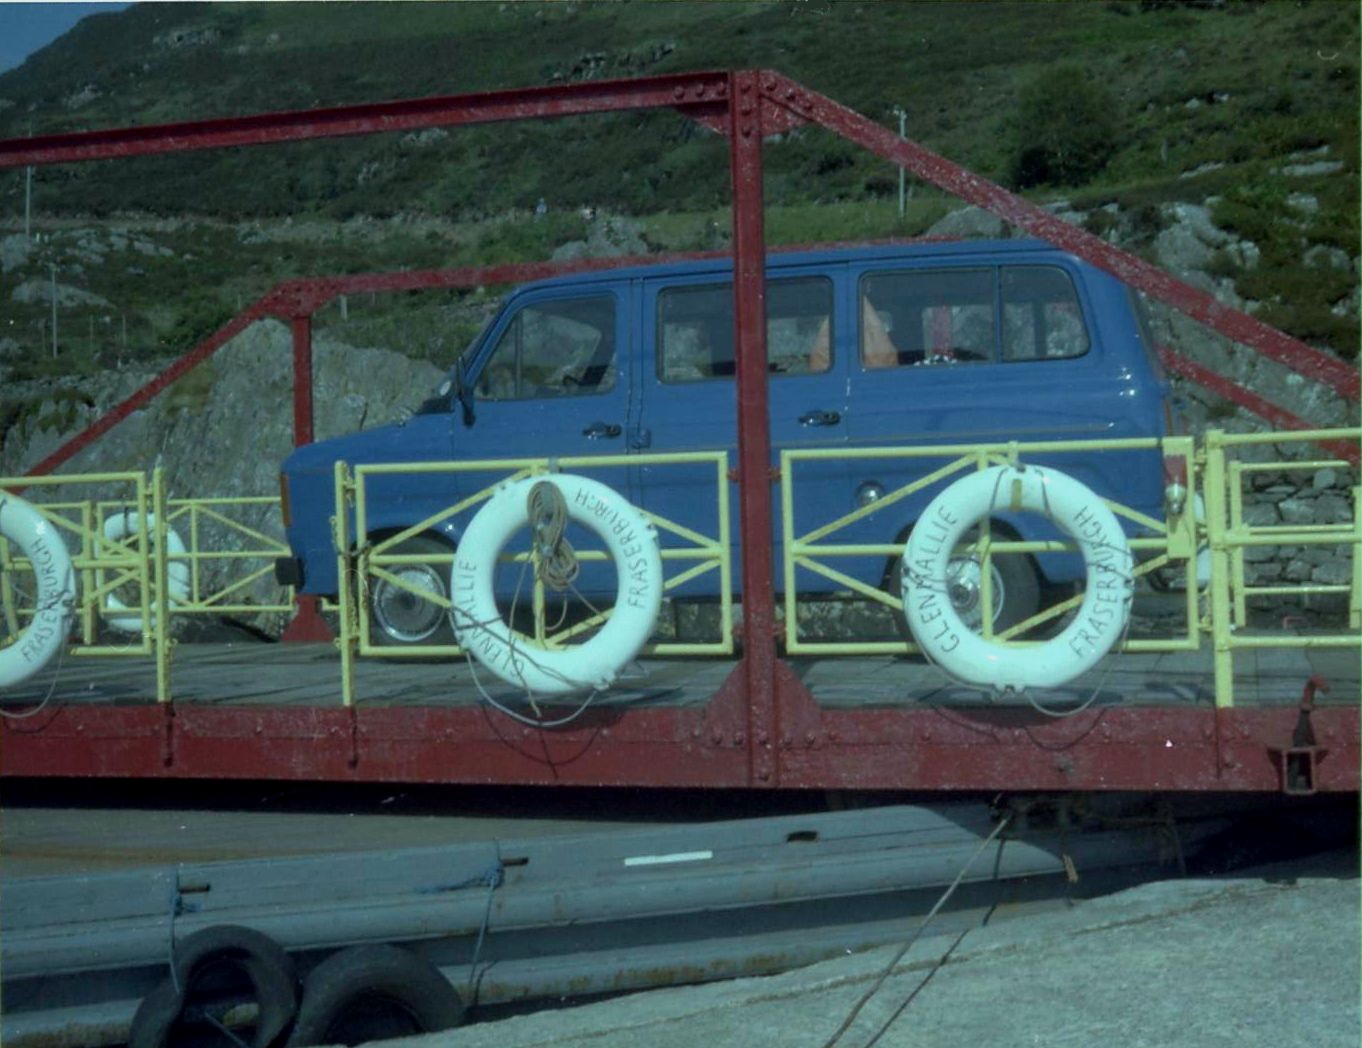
[117,528]
[967,656]
[55,602]
[631,541]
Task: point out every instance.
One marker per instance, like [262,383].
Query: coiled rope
[556,564]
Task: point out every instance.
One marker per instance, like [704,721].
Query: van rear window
[695,329]
[969,316]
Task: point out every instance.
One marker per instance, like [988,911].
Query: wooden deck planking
[309,675]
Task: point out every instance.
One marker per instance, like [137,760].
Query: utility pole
[53,266]
[902,114]
[28,193]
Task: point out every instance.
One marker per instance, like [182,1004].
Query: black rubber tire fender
[270,971]
[392,976]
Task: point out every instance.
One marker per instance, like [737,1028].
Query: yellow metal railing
[138,567]
[686,553]
[102,566]
[1168,541]
[1230,536]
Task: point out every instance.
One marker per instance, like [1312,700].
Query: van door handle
[597,430]
[820,418]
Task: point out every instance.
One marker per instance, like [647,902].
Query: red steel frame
[763,728]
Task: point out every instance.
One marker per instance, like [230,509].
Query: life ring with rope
[1101,618]
[629,538]
[34,646]
[119,527]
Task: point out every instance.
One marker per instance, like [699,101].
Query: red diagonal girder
[1204,376]
[1197,304]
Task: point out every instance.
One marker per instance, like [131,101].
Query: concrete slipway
[1239,963]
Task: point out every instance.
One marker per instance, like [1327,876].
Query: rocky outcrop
[220,431]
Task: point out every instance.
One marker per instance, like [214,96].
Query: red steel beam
[1250,400]
[754,431]
[1197,304]
[1114,748]
[685,91]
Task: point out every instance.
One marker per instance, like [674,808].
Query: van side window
[1041,316]
[695,329]
[565,347]
[942,316]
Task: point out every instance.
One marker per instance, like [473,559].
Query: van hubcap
[401,614]
[965,584]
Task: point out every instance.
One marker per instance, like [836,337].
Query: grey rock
[1297,570]
[1319,167]
[1202,169]
[1197,219]
[1324,478]
[969,222]
[1260,515]
[1332,509]
[81,97]
[610,237]
[1296,511]
[1333,573]
[1179,249]
[14,252]
[1303,203]
[1245,254]
[1333,257]
[32,291]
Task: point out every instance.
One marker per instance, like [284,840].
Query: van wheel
[1016,590]
[399,617]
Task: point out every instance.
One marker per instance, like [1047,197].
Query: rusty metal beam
[949,749]
[684,91]
[1251,401]
[1197,304]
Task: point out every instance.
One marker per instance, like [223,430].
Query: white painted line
[659,860]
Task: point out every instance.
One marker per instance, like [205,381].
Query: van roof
[806,255]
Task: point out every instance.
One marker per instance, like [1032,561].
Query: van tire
[1015,572]
[374,992]
[398,618]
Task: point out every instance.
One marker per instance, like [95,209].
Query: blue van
[897,344]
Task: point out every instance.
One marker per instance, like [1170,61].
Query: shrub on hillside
[1066,128]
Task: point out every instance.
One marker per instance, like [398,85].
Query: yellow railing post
[346,638]
[160,607]
[1355,590]
[1235,481]
[1217,526]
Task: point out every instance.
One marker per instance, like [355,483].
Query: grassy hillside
[1269,78]
[1204,101]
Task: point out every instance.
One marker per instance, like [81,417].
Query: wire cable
[917,934]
